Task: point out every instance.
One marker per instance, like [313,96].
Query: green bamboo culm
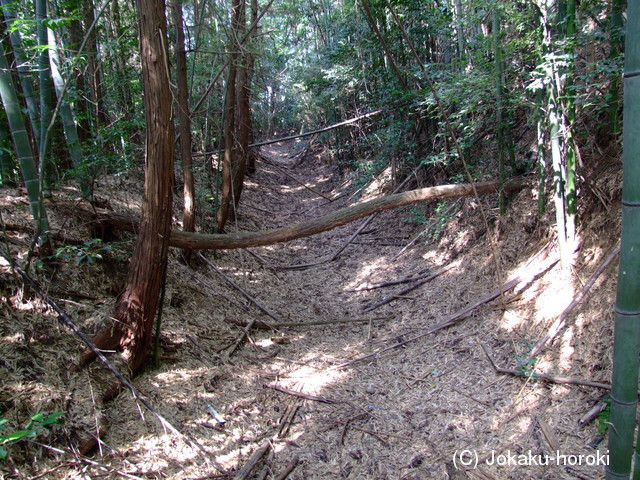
[22,65]
[569,93]
[45,87]
[68,122]
[23,148]
[7,163]
[624,394]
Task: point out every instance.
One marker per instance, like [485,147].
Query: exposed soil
[406,413]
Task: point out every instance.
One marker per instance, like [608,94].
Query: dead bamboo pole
[524,277]
[404,291]
[264,309]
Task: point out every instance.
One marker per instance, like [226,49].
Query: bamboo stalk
[626,350]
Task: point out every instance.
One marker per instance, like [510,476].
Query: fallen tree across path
[201,241]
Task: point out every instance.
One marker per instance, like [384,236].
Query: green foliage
[524,364]
[434,224]
[604,418]
[89,252]
[34,427]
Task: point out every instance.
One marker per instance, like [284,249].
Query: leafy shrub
[36,425]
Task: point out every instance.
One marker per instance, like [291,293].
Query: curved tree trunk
[200,241]
[137,305]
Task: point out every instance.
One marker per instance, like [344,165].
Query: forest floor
[416,411]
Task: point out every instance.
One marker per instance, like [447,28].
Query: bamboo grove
[535,83]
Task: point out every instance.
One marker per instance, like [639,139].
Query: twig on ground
[201,349]
[306,396]
[390,283]
[594,411]
[543,376]
[404,291]
[246,469]
[259,324]
[471,397]
[287,418]
[245,333]
[293,463]
[266,469]
[238,287]
[375,435]
[524,277]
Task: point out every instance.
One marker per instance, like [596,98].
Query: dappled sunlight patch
[567,350]
[312,380]
[157,452]
[556,295]
[369,272]
[377,185]
[511,320]
[177,376]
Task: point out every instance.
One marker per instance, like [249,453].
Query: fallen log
[228,241]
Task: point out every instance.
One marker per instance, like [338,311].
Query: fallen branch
[391,283]
[594,411]
[560,322]
[293,463]
[246,469]
[355,234]
[293,137]
[264,326]
[202,241]
[542,376]
[306,396]
[243,335]
[404,291]
[524,277]
[201,349]
[315,132]
[238,287]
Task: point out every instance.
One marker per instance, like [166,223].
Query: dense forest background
[179,104]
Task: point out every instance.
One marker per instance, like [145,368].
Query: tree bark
[251,155]
[243,109]
[137,305]
[189,212]
[230,128]
[94,70]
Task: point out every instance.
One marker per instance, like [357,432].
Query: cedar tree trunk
[136,306]
[243,107]
[189,213]
[230,143]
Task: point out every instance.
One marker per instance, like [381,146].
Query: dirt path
[400,415]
